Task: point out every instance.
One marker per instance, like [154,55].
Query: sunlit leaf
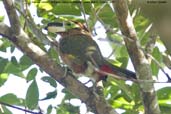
[10,99]
[46,6]
[123,61]
[3,78]
[164,93]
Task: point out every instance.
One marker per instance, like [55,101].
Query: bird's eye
[71,25]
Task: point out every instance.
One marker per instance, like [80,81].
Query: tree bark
[141,65]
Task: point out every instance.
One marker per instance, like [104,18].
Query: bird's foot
[97,88]
[66,71]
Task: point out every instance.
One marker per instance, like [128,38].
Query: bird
[82,54]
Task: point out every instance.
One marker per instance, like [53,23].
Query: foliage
[120,94]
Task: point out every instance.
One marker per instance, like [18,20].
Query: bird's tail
[115,70]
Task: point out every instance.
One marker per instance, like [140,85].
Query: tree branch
[16,35]
[138,58]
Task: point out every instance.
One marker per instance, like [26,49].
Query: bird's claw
[66,71]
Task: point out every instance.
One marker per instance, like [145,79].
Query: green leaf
[25,61]
[3,78]
[144,38]
[5,110]
[50,80]
[3,63]
[53,54]
[49,109]
[87,7]
[164,93]
[32,96]
[68,94]
[136,95]
[67,108]
[111,91]
[108,16]
[62,110]
[4,44]
[66,9]
[15,69]
[126,91]
[10,99]
[120,51]
[164,99]
[165,110]
[122,103]
[1,18]
[12,49]
[46,6]
[59,9]
[124,61]
[31,74]
[141,23]
[157,55]
[50,95]
[14,60]
[12,68]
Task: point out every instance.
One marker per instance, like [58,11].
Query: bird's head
[71,27]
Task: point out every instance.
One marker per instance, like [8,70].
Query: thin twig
[18,108]
[82,7]
[160,66]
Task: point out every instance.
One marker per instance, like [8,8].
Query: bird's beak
[55,27]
